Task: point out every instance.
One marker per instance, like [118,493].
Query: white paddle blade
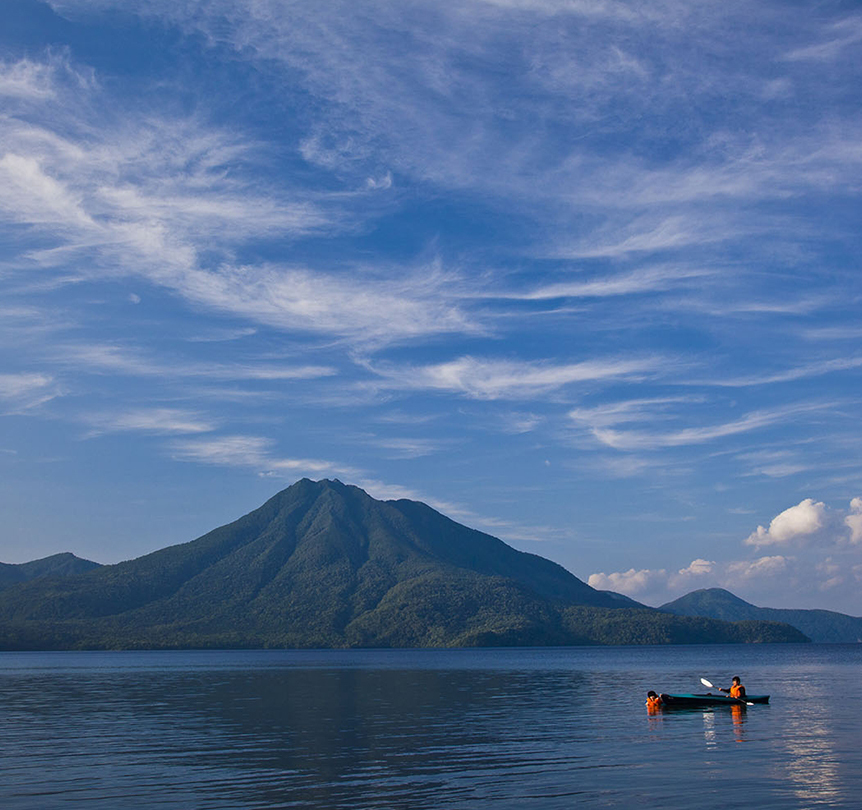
[706,683]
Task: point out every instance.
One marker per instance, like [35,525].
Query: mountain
[323,564]
[717,603]
[57,565]
[622,600]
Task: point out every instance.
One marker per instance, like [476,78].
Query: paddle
[708,685]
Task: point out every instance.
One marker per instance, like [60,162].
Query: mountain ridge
[323,564]
[63,564]
[718,603]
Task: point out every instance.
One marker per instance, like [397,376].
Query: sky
[582,274]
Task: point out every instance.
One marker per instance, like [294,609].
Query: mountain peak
[323,564]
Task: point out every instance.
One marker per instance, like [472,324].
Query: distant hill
[323,564]
[717,603]
[57,565]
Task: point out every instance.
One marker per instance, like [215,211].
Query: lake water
[523,728]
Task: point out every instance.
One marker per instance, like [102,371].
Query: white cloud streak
[150,420]
[644,440]
[24,391]
[482,378]
[255,452]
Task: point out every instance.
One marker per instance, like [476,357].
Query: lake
[501,728]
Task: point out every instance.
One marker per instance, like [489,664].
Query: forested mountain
[57,565]
[323,564]
[717,603]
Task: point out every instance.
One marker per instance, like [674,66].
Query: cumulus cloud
[798,522]
[812,523]
[651,582]
[824,560]
[750,569]
[853,521]
[698,567]
[631,582]
[659,585]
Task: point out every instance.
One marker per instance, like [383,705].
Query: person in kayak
[737,690]
[653,701]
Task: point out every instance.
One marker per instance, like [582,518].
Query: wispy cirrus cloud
[255,453]
[826,366]
[652,440]
[834,40]
[23,391]
[111,358]
[632,410]
[486,378]
[156,420]
[642,280]
[159,197]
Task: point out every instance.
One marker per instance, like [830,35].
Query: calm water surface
[537,728]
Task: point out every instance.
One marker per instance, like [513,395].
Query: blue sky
[582,274]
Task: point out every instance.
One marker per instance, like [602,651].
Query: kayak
[710,700]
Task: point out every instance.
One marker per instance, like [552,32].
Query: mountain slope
[321,564]
[57,565]
[818,625]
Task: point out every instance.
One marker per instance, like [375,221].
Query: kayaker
[653,701]
[737,690]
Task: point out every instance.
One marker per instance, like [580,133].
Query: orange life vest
[737,691]
[653,702]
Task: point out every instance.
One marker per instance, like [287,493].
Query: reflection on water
[418,729]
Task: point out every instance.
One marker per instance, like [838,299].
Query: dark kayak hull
[710,700]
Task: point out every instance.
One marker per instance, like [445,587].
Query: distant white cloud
[150,420]
[408,448]
[789,375]
[28,80]
[649,279]
[837,37]
[698,567]
[647,582]
[255,452]
[101,358]
[159,197]
[516,422]
[853,521]
[647,236]
[744,570]
[25,390]
[804,578]
[379,183]
[632,410]
[800,522]
[631,582]
[364,307]
[646,440]
[484,378]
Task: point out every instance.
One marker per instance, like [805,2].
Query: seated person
[737,690]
